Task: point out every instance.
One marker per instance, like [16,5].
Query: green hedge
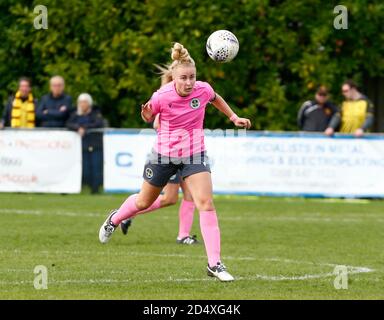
[108,48]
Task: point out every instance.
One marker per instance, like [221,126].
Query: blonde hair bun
[179,52]
[180,56]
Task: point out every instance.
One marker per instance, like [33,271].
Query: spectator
[19,112]
[87,117]
[55,107]
[320,114]
[356,110]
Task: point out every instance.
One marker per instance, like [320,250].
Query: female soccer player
[180,146]
[170,194]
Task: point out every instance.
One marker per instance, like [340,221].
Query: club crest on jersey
[149,173]
[195,103]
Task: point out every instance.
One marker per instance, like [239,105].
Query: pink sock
[186,211]
[209,226]
[155,205]
[129,210]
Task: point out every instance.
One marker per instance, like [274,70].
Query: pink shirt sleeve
[155,103]
[210,91]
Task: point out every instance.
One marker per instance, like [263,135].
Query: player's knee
[142,204]
[188,197]
[170,200]
[205,204]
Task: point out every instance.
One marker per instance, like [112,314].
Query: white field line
[50,213]
[256,277]
[183,256]
[310,218]
[351,270]
[103,281]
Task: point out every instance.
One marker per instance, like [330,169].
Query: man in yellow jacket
[20,112]
[356,111]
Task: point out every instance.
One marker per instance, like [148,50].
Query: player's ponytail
[165,74]
[180,56]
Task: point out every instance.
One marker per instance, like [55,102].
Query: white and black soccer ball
[222,46]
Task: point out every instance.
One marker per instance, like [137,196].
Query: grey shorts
[176,178]
[158,169]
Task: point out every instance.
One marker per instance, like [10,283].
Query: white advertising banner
[40,161]
[302,166]
[125,154]
[265,164]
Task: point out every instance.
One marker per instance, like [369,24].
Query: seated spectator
[54,108]
[356,111]
[320,114]
[87,117]
[19,112]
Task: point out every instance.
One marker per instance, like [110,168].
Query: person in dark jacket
[85,118]
[19,112]
[54,108]
[320,114]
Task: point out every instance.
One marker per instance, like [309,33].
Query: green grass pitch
[276,248]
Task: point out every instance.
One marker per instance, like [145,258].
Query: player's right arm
[146,112]
[151,108]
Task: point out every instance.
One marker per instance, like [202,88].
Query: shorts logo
[173,177]
[149,173]
[195,103]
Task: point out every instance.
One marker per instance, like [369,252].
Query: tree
[108,48]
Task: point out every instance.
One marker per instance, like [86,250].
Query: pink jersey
[180,133]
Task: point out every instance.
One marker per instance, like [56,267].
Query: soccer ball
[222,46]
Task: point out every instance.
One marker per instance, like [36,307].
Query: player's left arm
[220,104]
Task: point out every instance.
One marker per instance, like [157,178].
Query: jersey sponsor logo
[149,173]
[195,103]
